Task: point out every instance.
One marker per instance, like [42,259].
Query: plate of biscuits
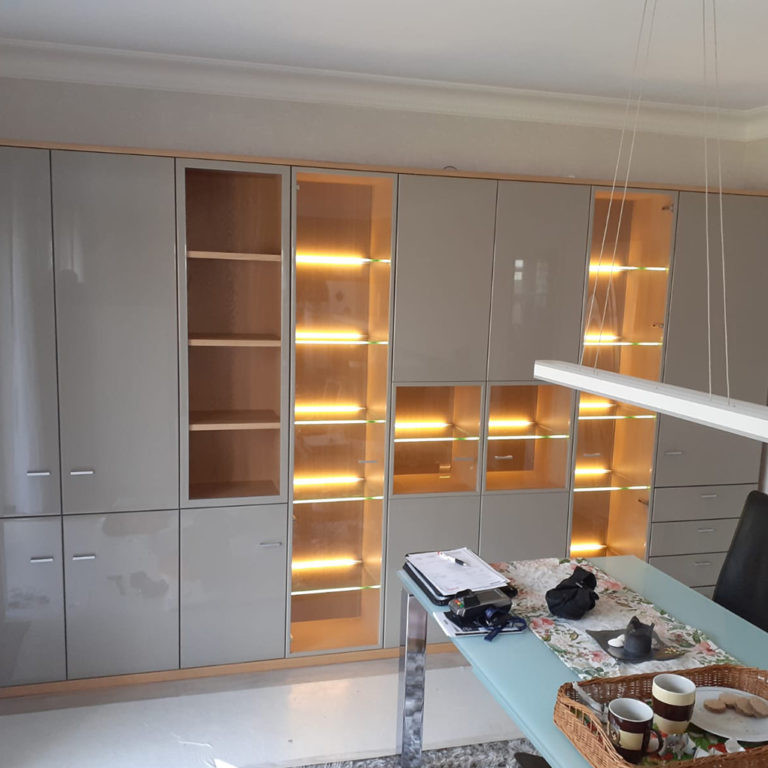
[731,713]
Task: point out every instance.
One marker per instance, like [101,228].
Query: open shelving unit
[342,290]
[436,439]
[528,433]
[624,333]
[235,233]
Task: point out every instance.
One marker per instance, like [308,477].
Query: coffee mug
[673,700]
[630,727]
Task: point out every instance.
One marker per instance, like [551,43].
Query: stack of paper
[448,577]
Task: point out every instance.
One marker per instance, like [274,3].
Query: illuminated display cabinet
[625,312]
[235,362]
[343,232]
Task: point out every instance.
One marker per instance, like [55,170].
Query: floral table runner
[616,606]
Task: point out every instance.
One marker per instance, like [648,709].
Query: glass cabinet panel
[624,333]
[437,436]
[234,299]
[343,268]
[528,431]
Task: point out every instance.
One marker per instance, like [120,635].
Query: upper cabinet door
[690,454]
[443,278]
[29,438]
[114,250]
[538,276]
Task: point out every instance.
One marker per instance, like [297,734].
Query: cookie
[729,699]
[760,707]
[715,705]
[744,707]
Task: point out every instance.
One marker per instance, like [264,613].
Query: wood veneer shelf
[233,489]
[229,256]
[233,340]
[210,421]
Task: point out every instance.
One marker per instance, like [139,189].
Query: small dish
[659,651]
[729,724]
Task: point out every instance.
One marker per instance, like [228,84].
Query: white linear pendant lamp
[736,416]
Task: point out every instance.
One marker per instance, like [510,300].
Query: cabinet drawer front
[703,502]
[692,537]
[693,570]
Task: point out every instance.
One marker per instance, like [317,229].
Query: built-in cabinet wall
[160,540]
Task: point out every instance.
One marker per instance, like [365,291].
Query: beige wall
[117,116]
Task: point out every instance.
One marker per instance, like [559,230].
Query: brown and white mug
[630,724]
[673,699]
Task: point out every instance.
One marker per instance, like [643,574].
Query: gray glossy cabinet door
[710,456]
[538,275]
[121,573]
[416,525]
[443,278]
[523,526]
[233,579]
[29,427]
[114,249]
[31,601]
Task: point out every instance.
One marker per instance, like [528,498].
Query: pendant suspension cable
[720,198]
[706,194]
[625,122]
[626,178]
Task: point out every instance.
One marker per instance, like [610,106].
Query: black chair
[742,586]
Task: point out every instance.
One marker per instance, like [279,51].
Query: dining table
[523,674]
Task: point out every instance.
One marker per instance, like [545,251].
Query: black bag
[573,596]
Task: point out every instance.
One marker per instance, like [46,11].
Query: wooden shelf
[210,421]
[233,489]
[227,256]
[428,483]
[233,340]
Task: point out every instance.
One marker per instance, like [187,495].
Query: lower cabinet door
[423,524]
[233,581]
[523,526]
[31,601]
[122,592]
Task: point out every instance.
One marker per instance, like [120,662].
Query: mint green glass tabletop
[523,674]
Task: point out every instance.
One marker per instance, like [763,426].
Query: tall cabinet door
[29,437]
[538,274]
[122,601]
[31,601]
[689,454]
[114,249]
[443,278]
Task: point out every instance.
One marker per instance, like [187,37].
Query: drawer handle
[705,530]
[674,453]
[702,563]
[41,559]
[81,472]
[38,473]
[708,496]
[367,461]
[464,458]
[592,455]
[270,544]
[83,557]
[504,458]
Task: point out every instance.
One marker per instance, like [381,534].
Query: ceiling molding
[99,66]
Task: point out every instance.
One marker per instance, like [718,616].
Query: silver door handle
[79,472]
[367,461]
[38,473]
[702,563]
[270,544]
[40,559]
[504,458]
[464,458]
[674,453]
[705,530]
[83,557]
[592,455]
[708,496]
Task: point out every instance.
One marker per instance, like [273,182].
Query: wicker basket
[581,725]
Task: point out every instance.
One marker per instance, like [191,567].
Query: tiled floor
[285,718]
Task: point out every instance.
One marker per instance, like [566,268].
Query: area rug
[495,754]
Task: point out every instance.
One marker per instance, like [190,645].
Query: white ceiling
[576,47]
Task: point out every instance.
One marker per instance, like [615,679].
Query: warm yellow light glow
[600,337]
[622,343]
[329,335]
[608,488]
[421,424]
[595,405]
[433,439]
[591,546]
[327,480]
[528,437]
[511,423]
[617,418]
[608,269]
[327,408]
[336,260]
[337,499]
[310,565]
[590,471]
[305,422]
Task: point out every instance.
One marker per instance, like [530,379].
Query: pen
[451,558]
